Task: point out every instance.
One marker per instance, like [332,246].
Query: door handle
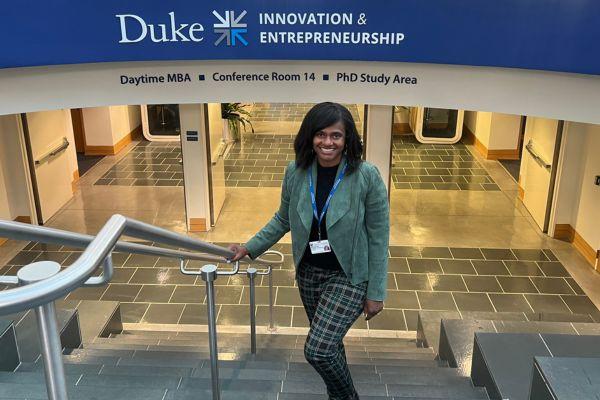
[538,158]
[55,151]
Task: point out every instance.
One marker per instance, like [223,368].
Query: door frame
[555,177]
[146,128]
[457,133]
[33,198]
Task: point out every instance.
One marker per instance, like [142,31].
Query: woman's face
[329,143]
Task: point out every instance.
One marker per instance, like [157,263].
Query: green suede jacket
[357,224]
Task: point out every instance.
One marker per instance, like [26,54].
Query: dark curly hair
[319,117]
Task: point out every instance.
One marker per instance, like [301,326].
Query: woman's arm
[377,219]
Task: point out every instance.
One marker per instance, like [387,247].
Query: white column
[379,139]
[195,166]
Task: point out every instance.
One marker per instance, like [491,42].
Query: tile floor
[259,161]
[436,167]
[527,282]
[147,164]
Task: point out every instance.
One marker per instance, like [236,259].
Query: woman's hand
[240,252]
[372,308]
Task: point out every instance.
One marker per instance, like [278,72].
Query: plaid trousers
[332,304]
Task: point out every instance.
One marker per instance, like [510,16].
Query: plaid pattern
[332,304]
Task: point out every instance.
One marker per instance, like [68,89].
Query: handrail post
[56,384]
[208,275]
[251,273]
[271,302]
[54,370]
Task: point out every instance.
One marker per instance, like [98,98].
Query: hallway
[468,251]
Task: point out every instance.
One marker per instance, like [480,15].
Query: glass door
[161,122]
[439,125]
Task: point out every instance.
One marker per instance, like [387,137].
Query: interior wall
[401,116]
[72,153]
[123,120]
[379,139]
[97,125]
[570,177]
[106,126]
[4,202]
[470,120]
[14,198]
[483,127]
[504,134]
[587,215]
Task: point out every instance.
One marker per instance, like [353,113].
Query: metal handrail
[209,273]
[41,283]
[96,250]
[537,157]
[51,153]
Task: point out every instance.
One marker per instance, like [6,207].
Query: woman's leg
[339,305]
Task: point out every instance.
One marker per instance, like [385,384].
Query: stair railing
[209,273]
[42,283]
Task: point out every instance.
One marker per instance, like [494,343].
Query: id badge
[319,247]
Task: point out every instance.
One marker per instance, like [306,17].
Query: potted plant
[237,117]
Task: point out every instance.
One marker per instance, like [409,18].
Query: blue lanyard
[331,193]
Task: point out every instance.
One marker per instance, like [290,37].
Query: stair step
[147,382]
[225,395]
[274,355]
[245,342]
[38,391]
[32,378]
[146,371]
[436,392]
[202,337]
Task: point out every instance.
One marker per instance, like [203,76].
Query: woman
[336,207]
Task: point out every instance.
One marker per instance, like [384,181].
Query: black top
[325,180]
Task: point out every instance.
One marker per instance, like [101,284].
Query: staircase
[175,366]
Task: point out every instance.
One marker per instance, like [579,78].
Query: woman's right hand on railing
[240,251]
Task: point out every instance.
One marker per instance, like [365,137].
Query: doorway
[84,161]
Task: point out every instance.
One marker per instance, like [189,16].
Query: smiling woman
[336,207]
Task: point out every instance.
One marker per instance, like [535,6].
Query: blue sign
[554,35]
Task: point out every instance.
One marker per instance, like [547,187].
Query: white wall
[496,131]
[13,191]
[569,178]
[578,199]
[4,201]
[504,132]
[105,126]
[123,120]
[587,218]
[379,137]
[470,120]
[483,127]
[70,135]
[195,170]
[97,125]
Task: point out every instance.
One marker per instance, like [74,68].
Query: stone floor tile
[436,301]
[472,301]
[510,302]
[424,265]
[547,303]
[490,267]
[488,284]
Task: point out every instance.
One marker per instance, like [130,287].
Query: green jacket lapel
[340,202]
[304,207]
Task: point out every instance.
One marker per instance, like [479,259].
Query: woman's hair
[320,117]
